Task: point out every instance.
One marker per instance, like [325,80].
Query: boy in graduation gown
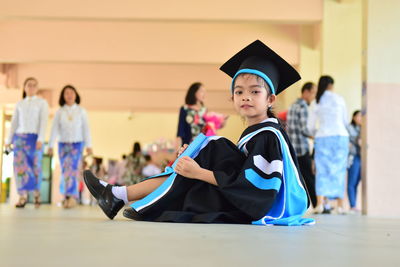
[256,182]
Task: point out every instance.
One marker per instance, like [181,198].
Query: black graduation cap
[259,59]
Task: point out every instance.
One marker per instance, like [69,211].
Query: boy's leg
[142,189]
[179,198]
[112,198]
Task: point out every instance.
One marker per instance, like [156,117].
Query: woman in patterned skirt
[27,134]
[331,144]
[71,127]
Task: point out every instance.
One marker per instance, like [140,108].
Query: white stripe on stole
[242,142]
[268,167]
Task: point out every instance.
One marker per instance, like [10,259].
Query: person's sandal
[21,203]
[37,201]
[71,202]
[67,202]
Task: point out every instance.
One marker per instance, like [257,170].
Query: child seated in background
[150,168]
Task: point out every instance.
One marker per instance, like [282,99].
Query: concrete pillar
[381,95]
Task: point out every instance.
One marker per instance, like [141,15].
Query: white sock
[121,193]
[103,183]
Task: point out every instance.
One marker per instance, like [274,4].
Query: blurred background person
[96,167]
[150,168]
[331,144]
[81,184]
[134,165]
[194,118]
[27,133]
[112,171]
[121,168]
[283,117]
[354,171]
[191,115]
[297,118]
[71,127]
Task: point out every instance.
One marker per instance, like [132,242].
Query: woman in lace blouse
[26,135]
[71,127]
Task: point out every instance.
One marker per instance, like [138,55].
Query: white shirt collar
[70,107]
[31,97]
[274,120]
[328,92]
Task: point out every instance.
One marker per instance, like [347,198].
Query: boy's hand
[188,167]
[182,149]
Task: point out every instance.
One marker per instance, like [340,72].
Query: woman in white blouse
[71,127]
[28,127]
[331,143]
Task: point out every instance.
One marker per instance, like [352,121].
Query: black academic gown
[244,193]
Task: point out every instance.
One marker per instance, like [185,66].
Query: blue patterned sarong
[27,163]
[70,155]
[331,154]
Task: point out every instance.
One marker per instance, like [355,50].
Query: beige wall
[125,55]
[310,63]
[382,92]
[131,72]
[132,87]
[110,41]
[342,49]
[113,133]
[306,11]
[333,48]
[310,53]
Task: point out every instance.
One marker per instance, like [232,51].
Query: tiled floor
[83,236]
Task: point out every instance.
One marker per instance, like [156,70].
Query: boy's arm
[190,169]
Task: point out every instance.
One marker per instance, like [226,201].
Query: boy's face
[250,97]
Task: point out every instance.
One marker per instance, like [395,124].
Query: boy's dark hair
[61,100]
[25,83]
[307,87]
[147,158]
[352,117]
[271,113]
[190,98]
[323,83]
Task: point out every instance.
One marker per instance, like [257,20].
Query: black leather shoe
[105,198]
[132,214]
